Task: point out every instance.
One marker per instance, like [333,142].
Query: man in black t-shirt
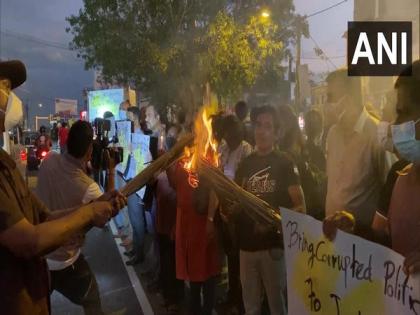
[273,178]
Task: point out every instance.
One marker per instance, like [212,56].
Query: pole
[0,26]
[298,53]
[27,113]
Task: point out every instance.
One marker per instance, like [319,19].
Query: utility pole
[298,53]
[0,27]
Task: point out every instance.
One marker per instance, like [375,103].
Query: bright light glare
[265,14]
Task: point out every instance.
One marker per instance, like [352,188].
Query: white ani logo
[391,52]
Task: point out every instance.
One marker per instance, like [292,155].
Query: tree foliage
[170,48]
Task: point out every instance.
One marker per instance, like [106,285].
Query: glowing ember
[205,146]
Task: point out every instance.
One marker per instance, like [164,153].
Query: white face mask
[384,137]
[14,111]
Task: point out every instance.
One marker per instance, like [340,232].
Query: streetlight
[39,105]
[265,14]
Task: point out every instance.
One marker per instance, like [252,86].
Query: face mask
[123,115]
[384,139]
[14,111]
[404,138]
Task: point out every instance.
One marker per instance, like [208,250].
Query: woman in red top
[63,133]
[197,254]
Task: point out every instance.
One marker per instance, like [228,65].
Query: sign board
[102,101]
[65,106]
[350,276]
[140,156]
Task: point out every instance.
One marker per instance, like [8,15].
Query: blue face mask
[123,115]
[404,138]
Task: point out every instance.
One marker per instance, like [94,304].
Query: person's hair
[42,129]
[136,112]
[108,115]
[411,81]
[352,84]
[241,110]
[63,124]
[270,110]
[218,125]
[233,126]
[314,123]
[79,139]
[154,108]
[125,103]
[291,133]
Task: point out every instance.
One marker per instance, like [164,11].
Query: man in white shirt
[63,182]
[356,164]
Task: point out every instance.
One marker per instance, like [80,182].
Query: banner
[65,106]
[140,157]
[103,101]
[350,276]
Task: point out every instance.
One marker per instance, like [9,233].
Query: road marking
[132,275]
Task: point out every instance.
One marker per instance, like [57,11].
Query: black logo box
[363,68]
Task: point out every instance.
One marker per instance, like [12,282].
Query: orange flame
[205,146]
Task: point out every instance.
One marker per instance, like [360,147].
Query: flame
[205,146]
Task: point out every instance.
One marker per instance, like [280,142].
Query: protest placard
[350,276]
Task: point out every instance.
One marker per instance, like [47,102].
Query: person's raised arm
[26,240]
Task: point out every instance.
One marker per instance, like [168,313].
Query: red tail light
[44,154]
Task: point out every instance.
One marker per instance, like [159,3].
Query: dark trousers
[172,288]
[209,294]
[232,253]
[78,284]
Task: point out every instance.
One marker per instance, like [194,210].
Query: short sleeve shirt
[269,178]
[23,282]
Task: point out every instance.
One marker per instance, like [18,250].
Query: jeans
[209,295]
[137,220]
[78,284]
[261,271]
[121,219]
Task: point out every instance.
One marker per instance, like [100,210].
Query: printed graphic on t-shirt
[260,182]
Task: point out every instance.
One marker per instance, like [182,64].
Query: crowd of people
[348,167]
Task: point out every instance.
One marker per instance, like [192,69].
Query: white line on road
[132,275]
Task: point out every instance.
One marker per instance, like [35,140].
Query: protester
[313,145]
[123,109]
[62,137]
[356,164]
[153,122]
[54,135]
[397,221]
[28,230]
[270,176]
[232,152]
[70,272]
[172,289]
[196,245]
[43,142]
[241,112]
[135,204]
[312,179]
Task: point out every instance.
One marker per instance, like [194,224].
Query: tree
[169,49]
